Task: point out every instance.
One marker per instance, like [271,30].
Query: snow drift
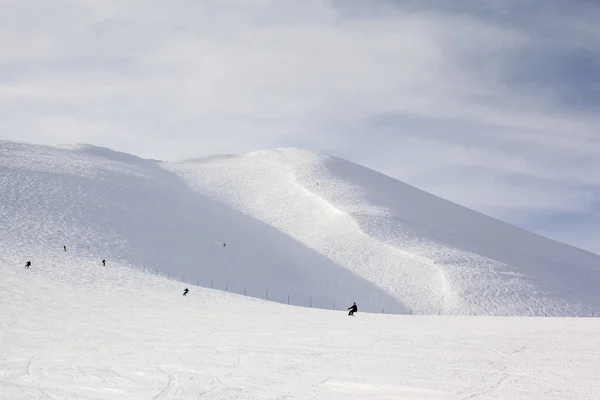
[312,227]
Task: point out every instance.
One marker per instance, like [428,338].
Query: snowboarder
[185,292]
[353,309]
[104,263]
[28,264]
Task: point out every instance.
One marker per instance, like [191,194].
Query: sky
[494,105]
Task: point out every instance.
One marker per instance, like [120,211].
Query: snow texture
[431,255]
[71,328]
[296,225]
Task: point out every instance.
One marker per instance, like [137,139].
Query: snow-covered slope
[72,331]
[103,204]
[430,254]
[314,227]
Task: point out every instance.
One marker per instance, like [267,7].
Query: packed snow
[288,225]
[73,330]
[292,226]
[432,255]
[115,206]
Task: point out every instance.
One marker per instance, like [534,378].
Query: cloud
[490,104]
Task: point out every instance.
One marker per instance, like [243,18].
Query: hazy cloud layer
[494,105]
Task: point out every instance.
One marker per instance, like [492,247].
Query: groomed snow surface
[431,255]
[313,227]
[70,329]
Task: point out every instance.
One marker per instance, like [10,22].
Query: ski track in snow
[343,221]
[104,204]
[73,329]
[132,335]
[315,228]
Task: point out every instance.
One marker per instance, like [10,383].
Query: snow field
[71,328]
[431,255]
[296,223]
[105,204]
[119,333]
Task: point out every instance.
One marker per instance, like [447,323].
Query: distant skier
[353,309]
[185,292]
[104,263]
[224,244]
[65,248]
[28,264]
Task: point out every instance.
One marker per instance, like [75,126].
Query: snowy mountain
[71,328]
[283,224]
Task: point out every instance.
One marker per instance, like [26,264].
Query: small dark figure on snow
[65,248]
[185,292]
[28,264]
[224,244]
[353,309]
[104,263]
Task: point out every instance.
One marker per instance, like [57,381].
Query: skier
[28,264]
[353,309]
[185,292]
[104,263]
[65,248]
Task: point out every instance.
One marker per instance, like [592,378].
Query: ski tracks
[498,377]
[169,389]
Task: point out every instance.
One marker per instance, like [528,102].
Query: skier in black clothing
[104,263]
[353,309]
[28,264]
[185,292]
[65,248]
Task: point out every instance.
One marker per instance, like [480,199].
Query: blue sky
[492,104]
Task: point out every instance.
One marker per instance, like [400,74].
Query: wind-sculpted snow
[71,330]
[103,204]
[431,255]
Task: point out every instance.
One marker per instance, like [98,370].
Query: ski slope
[432,255]
[103,204]
[71,328]
[73,331]
[297,226]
